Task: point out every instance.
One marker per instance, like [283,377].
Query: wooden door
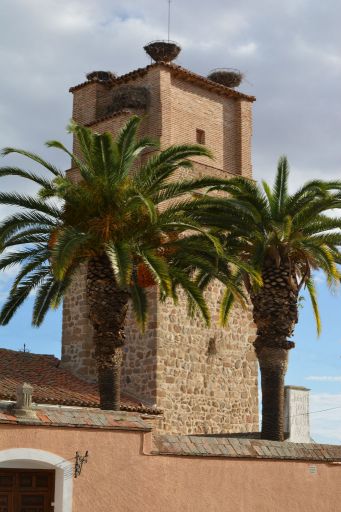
[26,490]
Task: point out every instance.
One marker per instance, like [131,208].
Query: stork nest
[129,96]
[226,77]
[163,51]
[101,76]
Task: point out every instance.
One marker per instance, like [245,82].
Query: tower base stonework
[203,379]
[206,377]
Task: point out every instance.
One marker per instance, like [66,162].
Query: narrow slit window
[200,136]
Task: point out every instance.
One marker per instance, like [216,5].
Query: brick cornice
[176,70]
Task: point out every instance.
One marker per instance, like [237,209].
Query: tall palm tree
[125,219]
[287,238]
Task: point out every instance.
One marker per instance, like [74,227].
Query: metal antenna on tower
[169,17]
[163,51]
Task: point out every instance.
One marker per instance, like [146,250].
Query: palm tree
[287,238]
[125,219]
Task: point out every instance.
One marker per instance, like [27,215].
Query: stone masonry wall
[206,376]
[205,379]
[77,346]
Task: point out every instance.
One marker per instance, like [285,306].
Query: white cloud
[326,424]
[246,49]
[324,56]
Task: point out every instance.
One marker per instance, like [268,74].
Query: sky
[290,53]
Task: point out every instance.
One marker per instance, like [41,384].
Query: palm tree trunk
[275,313]
[109,378]
[273,366]
[108,307]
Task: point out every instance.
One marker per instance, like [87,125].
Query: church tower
[203,379]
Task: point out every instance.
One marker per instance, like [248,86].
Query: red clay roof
[109,116]
[177,71]
[51,383]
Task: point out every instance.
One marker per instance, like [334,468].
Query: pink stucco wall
[119,477]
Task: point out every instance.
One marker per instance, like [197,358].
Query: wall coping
[241,448]
[55,416]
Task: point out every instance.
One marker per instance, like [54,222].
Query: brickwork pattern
[205,380]
[194,108]
[245,131]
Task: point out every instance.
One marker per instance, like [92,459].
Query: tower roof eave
[181,72]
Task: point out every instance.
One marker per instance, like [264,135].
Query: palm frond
[320,224]
[226,306]
[192,292]
[16,171]
[10,259]
[139,303]
[313,297]
[48,296]
[121,261]
[159,269]
[70,241]
[20,293]
[29,236]
[179,188]
[280,189]
[23,221]
[161,166]
[139,199]
[30,203]
[269,195]
[83,169]
[33,156]
[34,264]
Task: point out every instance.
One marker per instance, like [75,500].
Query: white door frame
[27,458]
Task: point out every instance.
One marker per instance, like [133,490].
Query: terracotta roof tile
[234,447]
[177,71]
[51,383]
[109,116]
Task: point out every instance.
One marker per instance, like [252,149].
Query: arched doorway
[27,490]
[38,481]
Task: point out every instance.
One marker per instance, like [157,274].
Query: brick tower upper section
[205,380]
[180,107]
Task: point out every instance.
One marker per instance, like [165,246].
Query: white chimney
[296,412]
[24,401]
